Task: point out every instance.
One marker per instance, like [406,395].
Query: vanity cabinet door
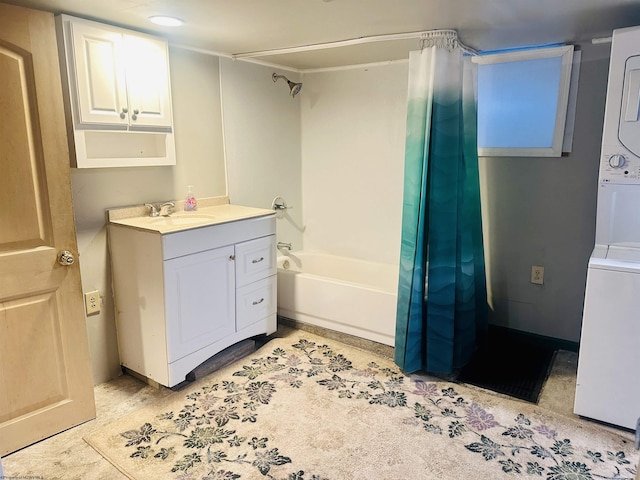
[199,300]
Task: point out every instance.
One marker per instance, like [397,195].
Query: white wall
[197,118]
[262,142]
[353,133]
[200,162]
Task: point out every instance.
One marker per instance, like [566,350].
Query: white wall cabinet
[182,297]
[118,96]
[122,78]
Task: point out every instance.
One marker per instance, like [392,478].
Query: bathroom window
[523,99]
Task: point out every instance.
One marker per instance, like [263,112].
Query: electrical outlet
[92,302]
[537,275]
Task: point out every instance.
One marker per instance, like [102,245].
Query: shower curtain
[442,300]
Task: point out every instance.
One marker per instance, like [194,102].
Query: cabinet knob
[123,113]
[232,257]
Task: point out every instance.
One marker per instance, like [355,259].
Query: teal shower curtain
[442,300]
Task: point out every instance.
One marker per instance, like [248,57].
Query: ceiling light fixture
[166,21]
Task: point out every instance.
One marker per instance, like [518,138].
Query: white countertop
[202,217]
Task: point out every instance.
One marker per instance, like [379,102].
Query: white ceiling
[240,26]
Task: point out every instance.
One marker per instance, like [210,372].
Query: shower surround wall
[353,134]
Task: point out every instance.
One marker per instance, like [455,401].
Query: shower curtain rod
[423,36]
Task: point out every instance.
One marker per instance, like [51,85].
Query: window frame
[565,53]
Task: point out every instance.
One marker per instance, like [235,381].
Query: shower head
[294,88]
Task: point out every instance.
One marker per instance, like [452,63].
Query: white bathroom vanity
[189,285]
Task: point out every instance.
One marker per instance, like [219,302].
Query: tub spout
[284,245]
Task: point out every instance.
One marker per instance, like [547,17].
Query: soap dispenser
[190,203]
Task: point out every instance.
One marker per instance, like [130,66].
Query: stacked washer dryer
[608,385]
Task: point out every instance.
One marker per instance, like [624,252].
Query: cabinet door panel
[101,90]
[148,87]
[200,300]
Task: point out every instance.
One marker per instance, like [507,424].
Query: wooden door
[45,371]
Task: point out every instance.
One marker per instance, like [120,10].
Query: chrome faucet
[153,210]
[284,245]
[166,208]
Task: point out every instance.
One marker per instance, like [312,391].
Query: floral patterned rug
[307,408]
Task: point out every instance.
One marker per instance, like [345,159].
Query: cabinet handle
[123,113]
[232,257]
[258,302]
[257,260]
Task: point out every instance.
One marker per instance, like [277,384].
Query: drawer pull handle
[258,302]
[257,260]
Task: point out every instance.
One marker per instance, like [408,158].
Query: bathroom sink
[183,220]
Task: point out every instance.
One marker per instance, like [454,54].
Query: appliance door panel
[618,217]
[608,385]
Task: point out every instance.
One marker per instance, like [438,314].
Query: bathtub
[347,295]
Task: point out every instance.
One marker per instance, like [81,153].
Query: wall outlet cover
[92,302]
[537,275]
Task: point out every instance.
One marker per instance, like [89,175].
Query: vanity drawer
[255,302]
[255,260]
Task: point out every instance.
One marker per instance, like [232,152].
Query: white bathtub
[347,295]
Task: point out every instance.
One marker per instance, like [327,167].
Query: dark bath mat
[511,365]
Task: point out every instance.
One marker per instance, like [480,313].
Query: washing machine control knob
[617,160]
